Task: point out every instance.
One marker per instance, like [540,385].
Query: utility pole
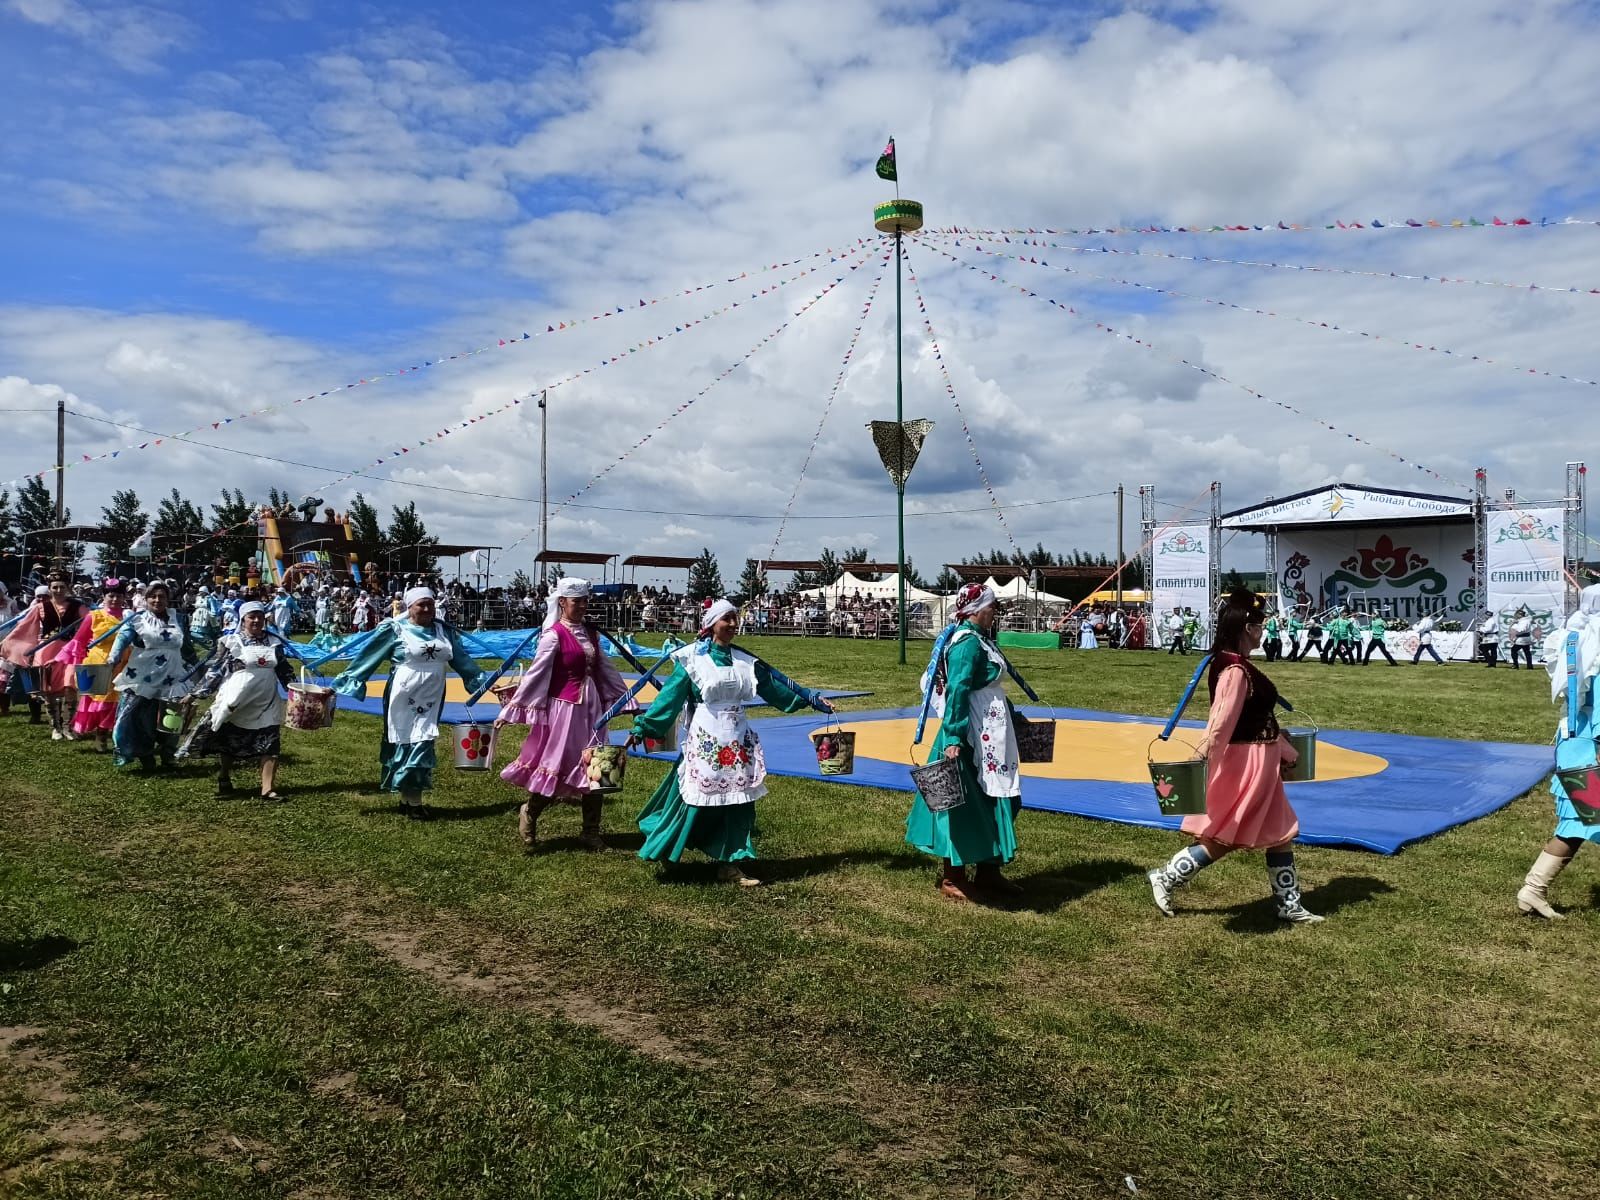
[544,477]
[1119,545]
[61,469]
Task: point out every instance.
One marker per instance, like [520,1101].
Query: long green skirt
[408,766]
[670,827]
[981,829]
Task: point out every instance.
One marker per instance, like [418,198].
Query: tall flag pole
[898,217]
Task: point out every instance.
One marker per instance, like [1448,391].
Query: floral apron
[416,685]
[723,763]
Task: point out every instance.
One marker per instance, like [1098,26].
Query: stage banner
[1404,570]
[1526,564]
[1181,566]
[1349,505]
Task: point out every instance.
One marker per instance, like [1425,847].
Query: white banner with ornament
[1527,565]
[1180,562]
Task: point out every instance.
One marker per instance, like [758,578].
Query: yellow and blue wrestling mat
[1378,791]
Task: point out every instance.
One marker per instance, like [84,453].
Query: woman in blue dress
[1572,656]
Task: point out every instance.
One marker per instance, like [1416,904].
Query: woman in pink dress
[1246,808]
[567,689]
[49,625]
[97,714]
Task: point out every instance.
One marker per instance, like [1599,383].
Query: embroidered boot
[56,733]
[1534,898]
[590,838]
[1180,869]
[1286,887]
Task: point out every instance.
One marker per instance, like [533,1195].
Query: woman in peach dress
[1246,808]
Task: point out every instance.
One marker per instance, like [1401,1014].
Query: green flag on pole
[886,162]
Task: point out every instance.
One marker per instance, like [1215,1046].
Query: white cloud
[134,36]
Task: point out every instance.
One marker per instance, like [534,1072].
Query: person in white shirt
[1489,639]
[1174,630]
[1522,639]
[1425,628]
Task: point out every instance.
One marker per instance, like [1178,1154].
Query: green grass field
[202,998]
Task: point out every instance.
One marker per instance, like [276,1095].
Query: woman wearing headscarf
[246,718]
[708,803]
[1572,657]
[964,687]
[1246,753]
[568,687]
[157,658]
[92,646]
[419,649]
[49,625]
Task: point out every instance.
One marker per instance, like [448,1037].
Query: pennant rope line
[861,254]
[949,387]
[844,368]
[1183,511]
[1303,227]
[368,380]
[1207,371]
[1393,339]
[992,235]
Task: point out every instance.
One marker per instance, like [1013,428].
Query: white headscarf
[417,593]
[1586,624]
[717,610]
[568,588]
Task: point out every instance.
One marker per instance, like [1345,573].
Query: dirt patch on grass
[48,1086]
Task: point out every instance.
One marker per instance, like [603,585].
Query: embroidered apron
[248,698]
[416,685]
[723,763]
[993,742]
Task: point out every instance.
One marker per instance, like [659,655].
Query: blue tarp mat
[1429,785]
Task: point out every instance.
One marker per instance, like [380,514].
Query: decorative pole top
[897,216]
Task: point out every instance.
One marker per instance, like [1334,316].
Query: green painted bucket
[1180,786]
[607,767]
[1582,786]
[836,751]
[1304,742]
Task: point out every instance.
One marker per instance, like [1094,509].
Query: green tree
[279,500]
[752,582]
[7,527]
[856,554]
[36,507]
[705,576]
[829,569]
[520,581]
[365,526]
[238,540]
[124,521]
[914,577]
[178,518]
[409,536]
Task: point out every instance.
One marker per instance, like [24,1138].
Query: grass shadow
[788,870]
[1260,916]
[29,954]
[1049,891]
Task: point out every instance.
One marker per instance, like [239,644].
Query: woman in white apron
[421,650]
[963,686]
[246,718]
[157,657]
[709,802]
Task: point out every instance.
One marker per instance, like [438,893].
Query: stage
[1377,791]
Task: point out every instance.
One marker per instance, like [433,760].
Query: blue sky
[208,208]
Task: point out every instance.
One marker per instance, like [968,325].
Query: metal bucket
[1036,740]
[310,706]
[1304,742]
[32,679]
[176,717]
[666,744]
[1180,786]
[608,765]
[505,689]
[94,679]
[1582,786]
[939,783]
[475,745]
[836,751]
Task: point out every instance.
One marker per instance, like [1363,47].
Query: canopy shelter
[1348,504]
[1032,583]
[666,562]
[72,533]
[589,558]
[767,565]
[887,588]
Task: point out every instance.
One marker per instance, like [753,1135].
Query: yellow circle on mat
[456,692]
[1114,751]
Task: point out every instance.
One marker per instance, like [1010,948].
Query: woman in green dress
[708,802]
[963,687]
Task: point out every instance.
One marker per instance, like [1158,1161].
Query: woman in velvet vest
[567,689]
[1246,753]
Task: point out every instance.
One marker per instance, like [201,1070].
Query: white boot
[1286,887]
[1534,897]
[1180,869]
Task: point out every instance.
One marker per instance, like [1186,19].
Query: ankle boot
[1286,887]
[1180,869]
[590,838]
[528,820]
[1534,898]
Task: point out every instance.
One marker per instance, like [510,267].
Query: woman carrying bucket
[708,803]
[420,650]
[97,709]
[1246,753]
[42,642]
[964,687]
[1572,656]
[154,645]
[568,687]
[246,718]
